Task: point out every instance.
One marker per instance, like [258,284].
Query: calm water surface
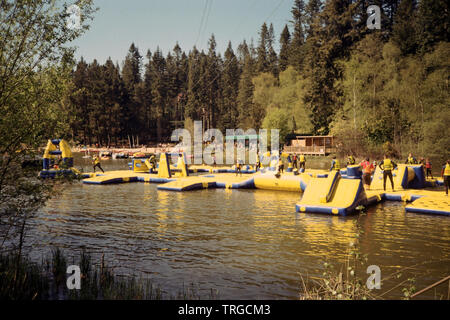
[244,244]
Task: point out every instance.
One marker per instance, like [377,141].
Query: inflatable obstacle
[332,195]
[51,166]
[404,176]
[194,183]
[285,182]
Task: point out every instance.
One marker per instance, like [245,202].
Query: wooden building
[311,145]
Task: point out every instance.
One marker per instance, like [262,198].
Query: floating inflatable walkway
[430,205]
[336,193]
[341,195]
[208,182]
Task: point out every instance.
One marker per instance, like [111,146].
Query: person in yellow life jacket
[258,164]
[335,164]
[302,162]
[152,160]
[445,174]
[387,165]
[280,165]
[350,160]
[238,167]
[411,159]
[96,163]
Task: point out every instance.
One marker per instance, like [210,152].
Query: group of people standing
[299,161]
[388,165]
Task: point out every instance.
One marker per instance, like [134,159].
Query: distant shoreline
[129,151]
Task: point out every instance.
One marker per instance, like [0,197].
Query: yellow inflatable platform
[430,205]
[332,195]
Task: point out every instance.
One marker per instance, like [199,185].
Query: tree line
[331,75]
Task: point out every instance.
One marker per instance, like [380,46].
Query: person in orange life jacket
[428,167]
[368,168]
[445,174]
[294,162]
[387,165]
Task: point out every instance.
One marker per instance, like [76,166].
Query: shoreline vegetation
[22,279]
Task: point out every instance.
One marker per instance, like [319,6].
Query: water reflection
[246,244]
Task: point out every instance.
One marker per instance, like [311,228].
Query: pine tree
[149,114]
[192,107]
[433,23]
[159,91]
[262,60]
[230,87]
[79,103]
[298,37]
[330,40]
[212,88]
[272,57]
[285,40]
[111,97]
[131,74]
[246,87]
[404,28]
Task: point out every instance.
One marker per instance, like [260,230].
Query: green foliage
[277,119]
[35,69]
[393,98]
[285,95]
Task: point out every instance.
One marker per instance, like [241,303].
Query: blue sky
[152,23]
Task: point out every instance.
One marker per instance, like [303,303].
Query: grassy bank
[21,279]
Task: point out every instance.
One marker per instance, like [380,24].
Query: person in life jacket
[96,163]
[151,163]
[445,174]
[368,168]
[302,162]
[411,159]
[335,164]
[428,167]
[350,160]
[294,161]
[238,167]
[280,165]
[387,165]
[258,164]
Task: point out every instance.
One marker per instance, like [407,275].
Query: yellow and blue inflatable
[54,148]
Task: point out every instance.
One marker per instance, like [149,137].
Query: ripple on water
[246,244]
